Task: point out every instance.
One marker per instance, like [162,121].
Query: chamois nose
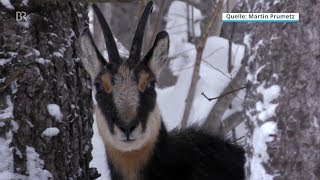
[127,129]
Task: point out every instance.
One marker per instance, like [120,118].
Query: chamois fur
[190,154]
[138,145]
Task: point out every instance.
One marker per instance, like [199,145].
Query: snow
[12,54]
[14,87]
[7,113]
[2,79]
[54,111]
[247,40]
[50,132]
[171,100]
[42,61]
[91,18]
[267,109]
[26,22]
[36,52]
[270,93]
[7,4]
[58,54]
[6,165]
[4,61]
[184,54]
[99,159]
[315,122]
[53,34]
[35,166]
[213,87]
[2,124]
[261,136]
[14,125]
[25,2]
[177,23]
[265,130]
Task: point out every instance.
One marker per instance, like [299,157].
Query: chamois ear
[158,54]
[90,56]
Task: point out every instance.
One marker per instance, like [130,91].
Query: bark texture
[287,55]
[42,68]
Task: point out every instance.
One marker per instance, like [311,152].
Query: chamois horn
[112,49]
[135,52]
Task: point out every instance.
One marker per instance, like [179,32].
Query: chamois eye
[98,86]
[151,85]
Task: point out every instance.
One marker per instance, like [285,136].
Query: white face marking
[139,138]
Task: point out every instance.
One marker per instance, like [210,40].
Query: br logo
[21,16]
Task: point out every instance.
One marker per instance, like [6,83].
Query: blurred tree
[39,65]
[283,100]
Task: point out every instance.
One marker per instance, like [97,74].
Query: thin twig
[196,71]
[232,121]
[217,69]
[237,139]
[210,99]
[192,25]
[188,21]
[216,50]
[182,52]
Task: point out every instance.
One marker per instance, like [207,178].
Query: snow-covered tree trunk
[283,99]
[45,93]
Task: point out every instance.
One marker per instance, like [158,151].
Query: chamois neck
[128,164]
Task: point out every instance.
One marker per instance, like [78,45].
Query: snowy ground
[212,81]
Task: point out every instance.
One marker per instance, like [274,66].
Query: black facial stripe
[106,104]
[147,104]
[105,100]
[147,100]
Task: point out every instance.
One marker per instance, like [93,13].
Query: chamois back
[192,154]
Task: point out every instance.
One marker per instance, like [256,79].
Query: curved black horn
[112,49]
[102,60]
[135,52]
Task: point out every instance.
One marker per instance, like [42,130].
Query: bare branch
[213,121]
[196,70]
[233,91]
[232,121]
[217,69]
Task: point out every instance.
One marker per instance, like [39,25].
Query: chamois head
[126,112]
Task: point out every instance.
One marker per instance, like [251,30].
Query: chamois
[138,145]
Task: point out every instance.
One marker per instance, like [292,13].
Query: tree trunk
[283,99]
[196,70]
[45,93]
